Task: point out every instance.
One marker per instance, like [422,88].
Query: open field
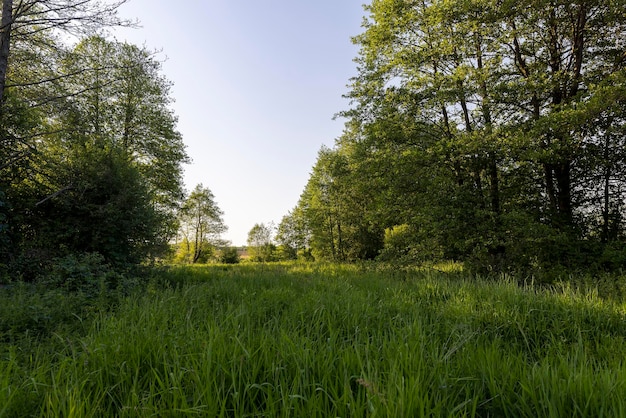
[314,340]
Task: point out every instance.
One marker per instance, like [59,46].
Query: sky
[256,84]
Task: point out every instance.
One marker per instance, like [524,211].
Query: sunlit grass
[321,340]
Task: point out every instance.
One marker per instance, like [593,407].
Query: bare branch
[55,194]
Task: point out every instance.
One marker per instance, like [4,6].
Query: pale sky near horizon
[256,85]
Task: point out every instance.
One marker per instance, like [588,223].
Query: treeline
[90,158]
[488,132]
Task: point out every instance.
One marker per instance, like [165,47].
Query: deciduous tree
[261,243]
[201,223]
[23,20]
[488,130]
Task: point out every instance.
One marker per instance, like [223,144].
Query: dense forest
[490,132]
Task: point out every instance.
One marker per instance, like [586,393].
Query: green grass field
[314,340]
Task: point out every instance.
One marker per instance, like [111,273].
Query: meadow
[313,340]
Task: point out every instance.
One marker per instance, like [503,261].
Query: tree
[87,139]
[102,205]
[86,116]
[125,103]
[24,21]
[514,104]
[292,235]
[260,243]
[201,223]
[337,210]
[229,255]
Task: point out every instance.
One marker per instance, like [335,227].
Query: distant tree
[292,235]
[229,255]
[201,223]
[336,208]
[260,243]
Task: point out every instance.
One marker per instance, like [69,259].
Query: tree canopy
[261,243]
[490,132]
[201,224]
[91,159]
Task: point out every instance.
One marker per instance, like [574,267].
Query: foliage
[125,102]
[399,245]
[91,159]
[493,130]
[4,236]
[99,190]
[62,302]
[261,246]
[24,23]
[88,275]
[229,255]
[201,224]
[334,209]
[185,251]
[292,235]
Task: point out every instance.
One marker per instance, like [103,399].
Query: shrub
[87,273]
[229,255]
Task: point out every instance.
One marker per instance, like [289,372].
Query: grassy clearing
[318,340]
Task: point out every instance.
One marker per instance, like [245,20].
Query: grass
[316,340]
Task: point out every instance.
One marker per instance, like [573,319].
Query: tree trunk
[5,45]
[607,189]
[342,256]
[494,181]
[197,239]
[332,235]
[564,194]
[550,191]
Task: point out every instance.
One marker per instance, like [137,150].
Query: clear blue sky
[256,84]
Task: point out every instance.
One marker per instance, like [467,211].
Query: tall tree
[110,104]
[124,102]
[508,111]
[27,18]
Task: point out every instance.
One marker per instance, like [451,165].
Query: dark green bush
[87,273]
[229,255]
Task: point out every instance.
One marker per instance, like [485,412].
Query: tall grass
[317,340]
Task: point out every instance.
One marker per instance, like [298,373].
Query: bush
[305,254]
[108,209]
[229,255]
[86,273]
[26,311]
